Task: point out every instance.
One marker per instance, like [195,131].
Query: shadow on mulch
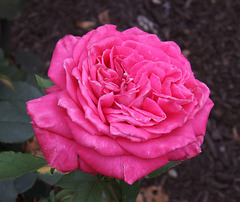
[208,34]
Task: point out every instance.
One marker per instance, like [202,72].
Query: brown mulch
[208,33]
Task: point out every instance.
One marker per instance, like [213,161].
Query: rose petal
[62,51]
[82,50]
[155,112]
[61,153]
[75,112]
[168,106]
[186,152]
[202,95]
[46,114]
[126,167]
[129,131]
[71,82]
[126,98]
[119,118]
[128,62]
[144,89]
[172,122]
[171,48]
[92,116]
[104,145]
[52,89]
[106,101]
[161,146]
[148,52]
[199,122]
[97,88]
[155,83]
[138,116]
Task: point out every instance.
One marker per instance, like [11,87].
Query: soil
[208,33]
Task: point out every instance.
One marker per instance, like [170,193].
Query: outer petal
[125,167]
[52,89]
[182,143]
[60,153]
[143,37]
[46,114]
[161,146]
[199,122]
[187,152]
[63,154]
[63,50]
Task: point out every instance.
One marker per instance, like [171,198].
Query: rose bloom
[123,105]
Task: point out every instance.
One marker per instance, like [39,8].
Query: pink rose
[123,105]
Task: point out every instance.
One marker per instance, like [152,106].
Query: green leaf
[15,124]
[28,61]
[13,111]
[112,190]
[14,164]
[52,196]
[64,194]
[52,170]
[8,69]
[50,178]
[10,188]
[8,191]
[1,54]
[6,80]
[163,169]
[88,191]
[25,182]
[11,71]
[12,9]
[15,132]
[44,83]
[73,179]
[130,192]
[23,91]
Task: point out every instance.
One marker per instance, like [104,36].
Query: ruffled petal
[129,132]
[148,52]
[171,122]
[104,145]
[75,113]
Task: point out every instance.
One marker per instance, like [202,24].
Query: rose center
[112,76]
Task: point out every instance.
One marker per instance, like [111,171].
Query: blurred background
[208,33]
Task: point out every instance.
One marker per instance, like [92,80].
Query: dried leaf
[186,52]
[86,25]
[32,146]
[7,81]
[157,2]
[236,136]
[152,193]
[103,17]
